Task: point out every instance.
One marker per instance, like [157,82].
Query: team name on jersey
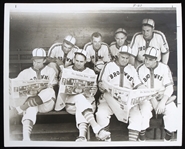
[42,77]
[156,76]
[142,48]
[117,73]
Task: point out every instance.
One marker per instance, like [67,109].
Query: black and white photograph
[134,48]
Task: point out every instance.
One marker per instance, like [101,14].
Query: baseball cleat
[81,139]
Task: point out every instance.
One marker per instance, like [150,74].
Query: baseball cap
[125,49]
[149,22]
[38,53]
[121,30]
[70,39]
[152,52]
[82,52]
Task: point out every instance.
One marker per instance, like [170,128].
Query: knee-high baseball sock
[31,102]
[27,129]
[168,135]
[133,135]
[89,116]
[142,135]
[82,129]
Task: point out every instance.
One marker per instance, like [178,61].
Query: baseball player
[148,37]
[81,105]
[41,101]
[120,37]
[96,51]
[119,73]
[61,54]
[157,75]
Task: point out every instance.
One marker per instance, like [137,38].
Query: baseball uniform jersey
[114,48]
[120,76]
[139,44]
[93,55]
[158,78]
[55,51]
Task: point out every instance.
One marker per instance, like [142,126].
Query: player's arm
[165,57]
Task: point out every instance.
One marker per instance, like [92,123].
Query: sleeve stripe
[169,84]
[162,35]
[52,47]
[101,73]
[134,38]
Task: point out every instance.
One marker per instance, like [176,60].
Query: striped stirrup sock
[133,135]
[83,129]
[142,135]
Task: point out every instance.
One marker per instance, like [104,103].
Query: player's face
[38,63]
[147,32]
[150,62]
[123,59]
[96,41]
[79,61]
[67,47]
[120,39]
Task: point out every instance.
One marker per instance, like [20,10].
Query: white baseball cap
[121,30]
[82,52]
[152,52]
[125,49]
[38,53]
[70,39]
[149,22]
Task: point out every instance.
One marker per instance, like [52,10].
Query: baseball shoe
[108,139]
[141,140]
[167,140]
[81,139]
[103,135]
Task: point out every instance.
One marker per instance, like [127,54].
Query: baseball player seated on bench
[80,105]
[42,100]
[148,37]
[120,37]
[61,54]
[157,75]
[119,73]
[97,52]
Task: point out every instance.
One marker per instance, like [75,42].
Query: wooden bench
[21,59]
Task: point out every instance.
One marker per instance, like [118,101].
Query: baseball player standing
[120,37]
[97,51]
[83,106]
[61,54]
[157,75]
[148,37]
[42,101]
[119,73]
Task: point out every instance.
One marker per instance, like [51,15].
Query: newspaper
[125,99]
[75,82]
[20,90]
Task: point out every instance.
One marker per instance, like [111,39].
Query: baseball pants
[104,113]
[76,104]
[48,98]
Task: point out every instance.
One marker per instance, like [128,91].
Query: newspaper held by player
[76,82]
[125,99]
[20,90]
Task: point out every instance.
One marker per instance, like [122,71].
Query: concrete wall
[29,30]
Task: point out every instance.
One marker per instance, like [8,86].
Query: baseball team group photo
[89,73]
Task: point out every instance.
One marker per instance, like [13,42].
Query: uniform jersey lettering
[156,76]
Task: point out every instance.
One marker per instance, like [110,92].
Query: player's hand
[160,107]
[93,91]
[59,62]
[102,87]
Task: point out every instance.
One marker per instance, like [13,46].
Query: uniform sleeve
[134,45]
[104,74]
[164,43]
[52,77]
[167,78]
[107,55]
[55,51]
[88,55]
[22,75]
